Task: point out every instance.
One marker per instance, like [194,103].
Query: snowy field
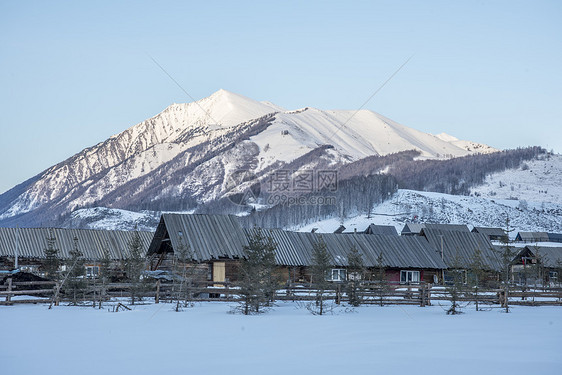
[206,339]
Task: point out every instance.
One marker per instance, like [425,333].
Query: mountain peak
[227,108]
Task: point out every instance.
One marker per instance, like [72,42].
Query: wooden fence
[371,293]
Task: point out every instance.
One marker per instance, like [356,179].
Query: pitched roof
[533,236]
[295,249]
[207,236]
[554,237]
[219,236]
[412,228]
[490,232]
[450,227]
[388,230]
[32,242]
[415,228]
[459,247]
[551,257]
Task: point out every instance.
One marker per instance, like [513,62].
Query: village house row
[215,244]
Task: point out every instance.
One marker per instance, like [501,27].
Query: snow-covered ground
[419,206]
[113,219]
[206,339]
[535,181]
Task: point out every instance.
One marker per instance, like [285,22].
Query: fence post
[56,297]
[9,295]
[338,296]
[157,298]
[422,295]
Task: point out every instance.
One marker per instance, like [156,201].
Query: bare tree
[184,273]
[477,274]
[507,254]
[104,274]
[75,284]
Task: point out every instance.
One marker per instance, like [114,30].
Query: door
[219,273]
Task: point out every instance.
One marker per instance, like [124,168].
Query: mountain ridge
[211,138]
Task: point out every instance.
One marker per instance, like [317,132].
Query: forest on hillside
[370,181]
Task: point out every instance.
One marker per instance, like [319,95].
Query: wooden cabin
[537,264]
[494,234]
[216,244]
[387,230]
[29,245]
[532,237]
[458,250]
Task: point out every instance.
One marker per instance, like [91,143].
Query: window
[92,271]
[338,274]
[553,275]
[407,277]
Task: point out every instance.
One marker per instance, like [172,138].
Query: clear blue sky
[71,74]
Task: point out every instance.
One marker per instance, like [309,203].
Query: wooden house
[537,264]
[555,237]
[532,237]
[458,249]
[494,234]
[412,229]
[216,243]
[29,244]
[388,230]
[416,229]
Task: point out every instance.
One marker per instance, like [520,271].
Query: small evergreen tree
[356,273]
[52,260]
[257,278]
[456,288]
[321,265]
[134,266]
[75,271]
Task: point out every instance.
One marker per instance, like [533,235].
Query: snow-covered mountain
[184,155]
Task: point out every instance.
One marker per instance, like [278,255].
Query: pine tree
[75,283]
[321,265]
[52,260]
[356,273]
[456,288]
[134,266]
[257,278]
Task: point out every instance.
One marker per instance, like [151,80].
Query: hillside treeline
[369,181]
[458,175]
